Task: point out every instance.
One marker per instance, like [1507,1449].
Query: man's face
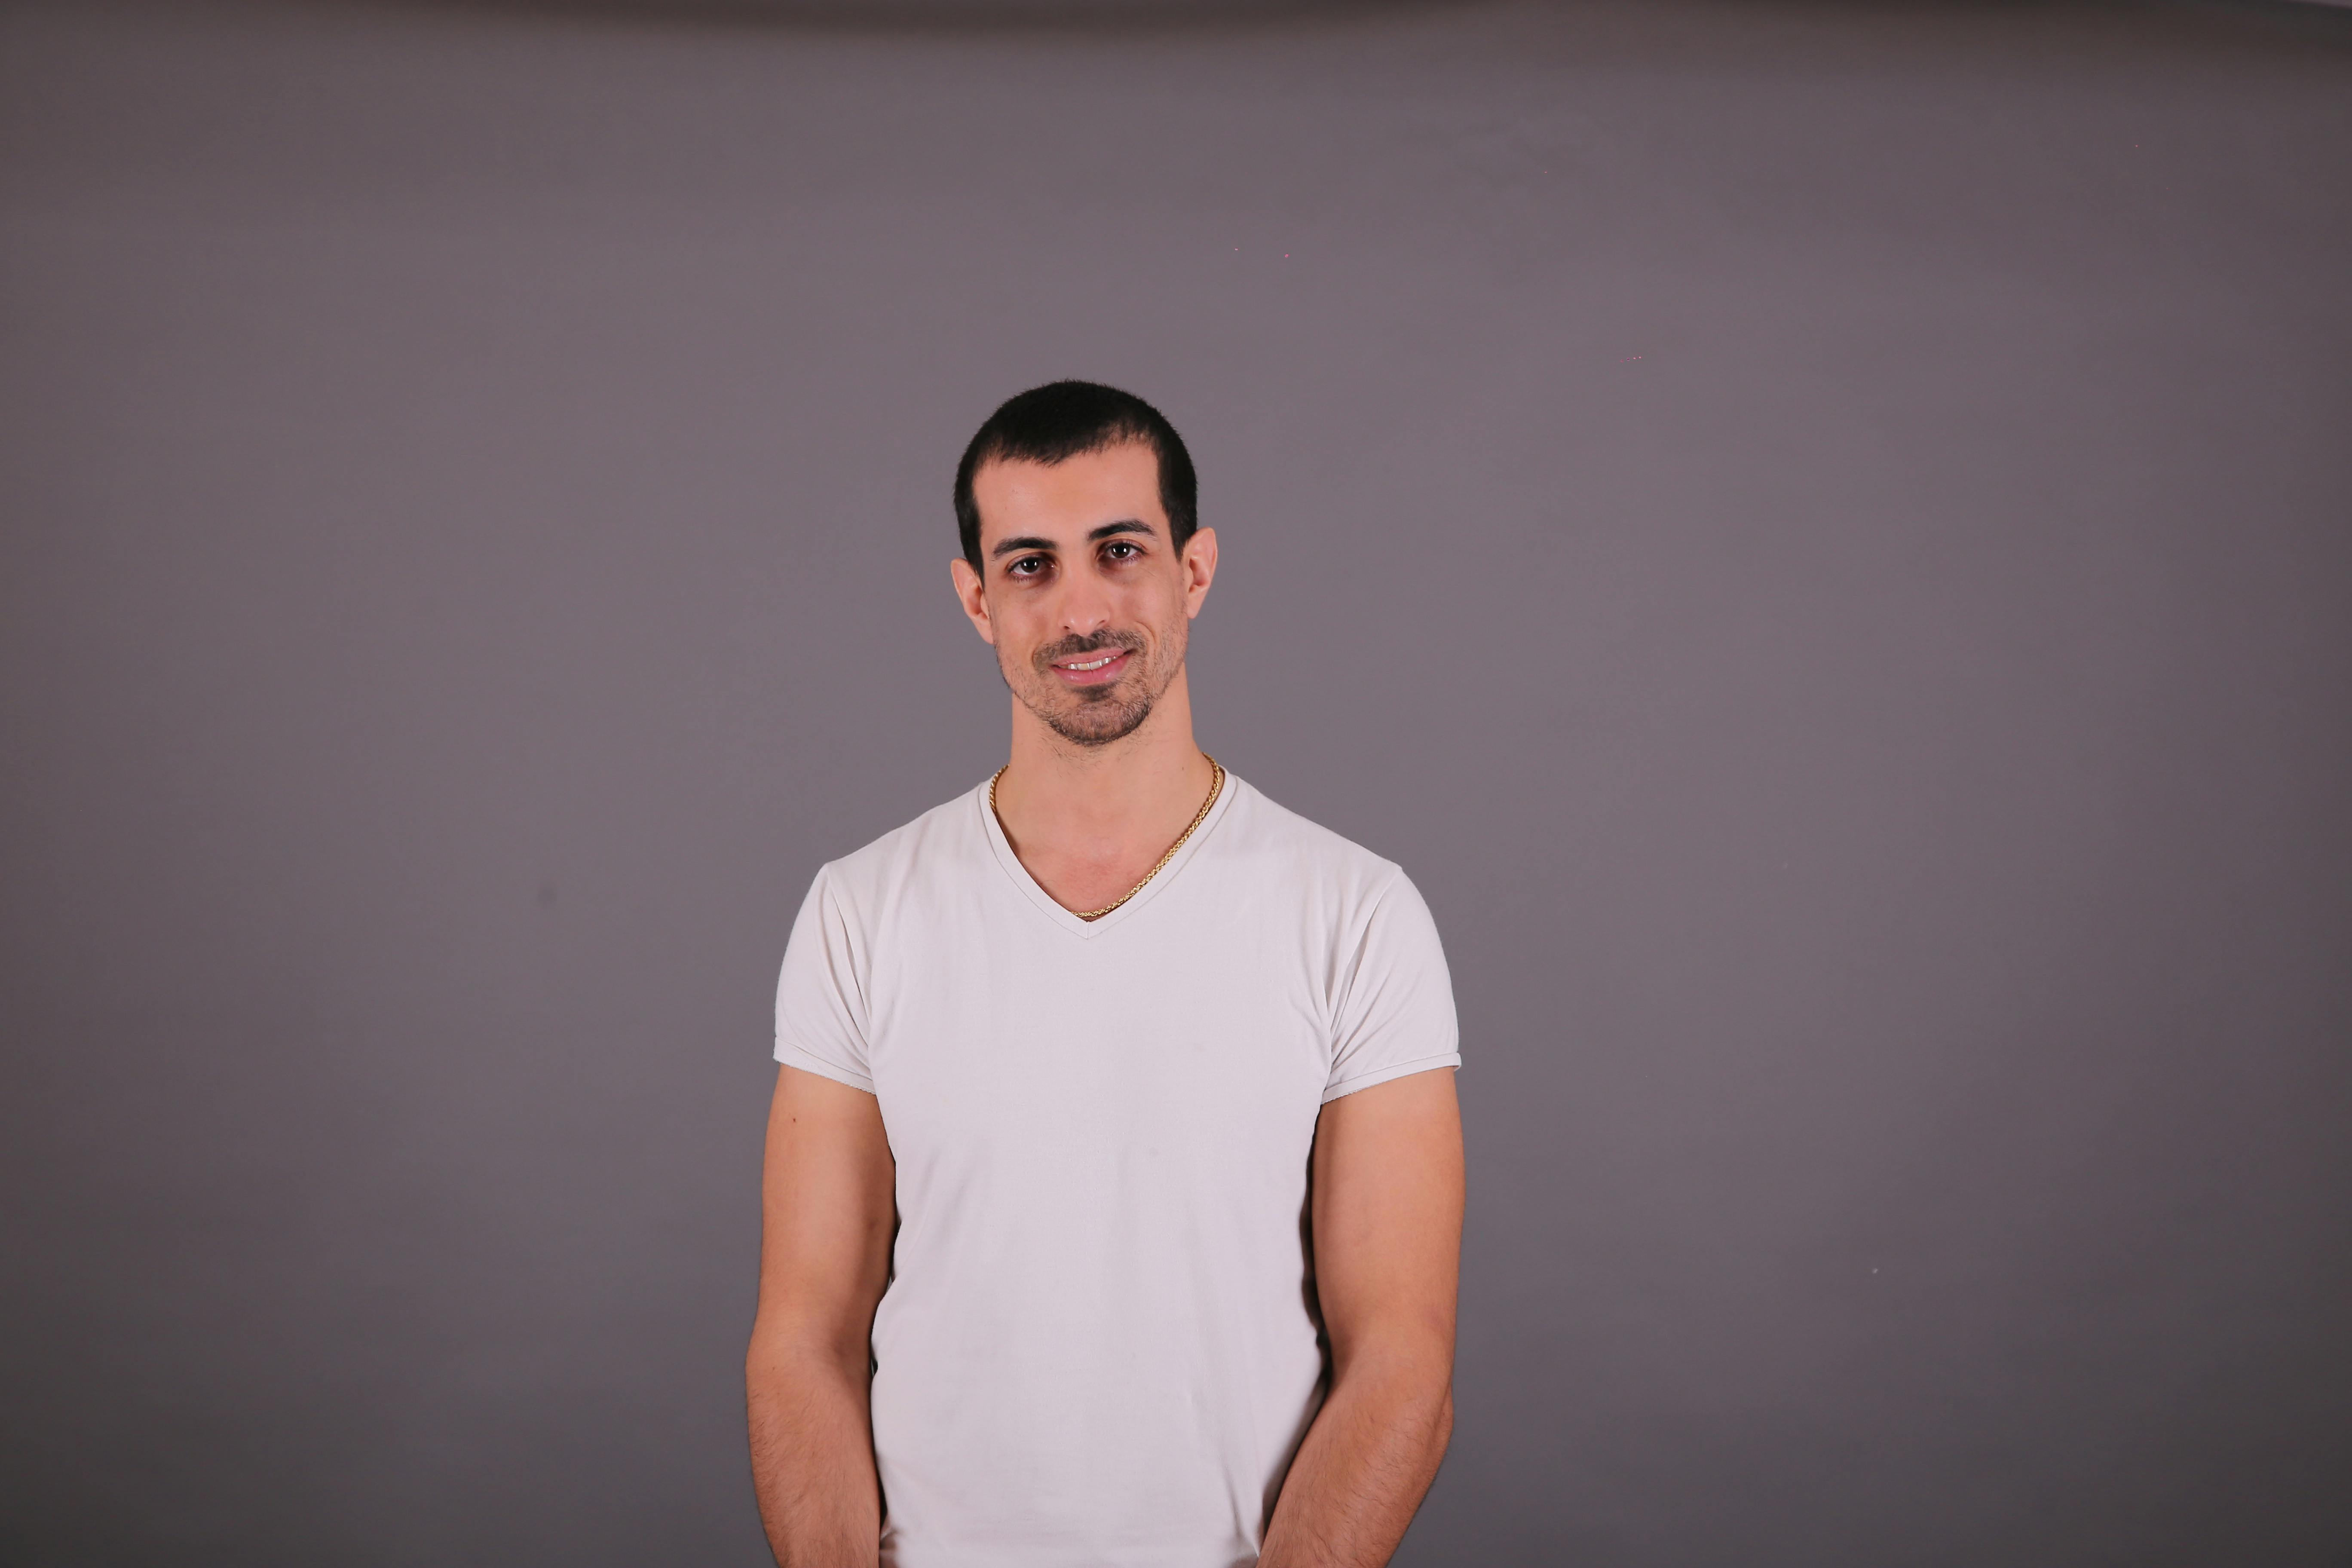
[1085,600]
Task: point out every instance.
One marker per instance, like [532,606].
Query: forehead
[1063,500]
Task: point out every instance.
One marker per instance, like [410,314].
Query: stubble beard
[1097,715]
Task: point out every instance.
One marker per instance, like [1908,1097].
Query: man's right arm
[828,1210]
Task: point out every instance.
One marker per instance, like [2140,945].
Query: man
[1114,1177]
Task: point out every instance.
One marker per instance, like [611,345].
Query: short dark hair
[1063,420]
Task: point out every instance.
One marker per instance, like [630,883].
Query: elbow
[785,1350]
[1424,1419]
[1410,1379]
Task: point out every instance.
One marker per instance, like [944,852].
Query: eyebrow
[1027,542]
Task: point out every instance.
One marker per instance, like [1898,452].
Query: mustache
[1093,642]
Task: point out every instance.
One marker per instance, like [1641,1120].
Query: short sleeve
[1395,1013]
[821,996]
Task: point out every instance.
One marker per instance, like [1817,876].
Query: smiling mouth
[1098,668]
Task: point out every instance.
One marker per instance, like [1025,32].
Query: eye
[1117,545]
[1027,565]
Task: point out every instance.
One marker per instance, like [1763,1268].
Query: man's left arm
[1385,1218]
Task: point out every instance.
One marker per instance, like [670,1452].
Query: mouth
[1098,668]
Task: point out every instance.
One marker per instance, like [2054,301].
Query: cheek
[1177,618]
[1020,629]
[1156,606]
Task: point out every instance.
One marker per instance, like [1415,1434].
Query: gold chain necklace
[1216,786]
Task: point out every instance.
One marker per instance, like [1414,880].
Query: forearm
[1364,1465]
[813,1456]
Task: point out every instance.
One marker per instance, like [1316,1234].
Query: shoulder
[1371,947]
[946,842]
[1310,856]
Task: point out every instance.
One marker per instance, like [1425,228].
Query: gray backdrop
[1819,535]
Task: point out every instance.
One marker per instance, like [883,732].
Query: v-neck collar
[1027,884]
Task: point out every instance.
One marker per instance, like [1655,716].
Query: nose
[1085,605]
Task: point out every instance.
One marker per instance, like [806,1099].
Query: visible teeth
[1097,664]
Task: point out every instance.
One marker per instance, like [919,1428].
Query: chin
[1099,722]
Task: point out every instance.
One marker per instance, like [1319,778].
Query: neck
[1086,815]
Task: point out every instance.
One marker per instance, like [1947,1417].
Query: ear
[972,595]
[1200,564]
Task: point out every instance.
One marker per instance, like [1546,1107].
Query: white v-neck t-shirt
[1099,1347]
